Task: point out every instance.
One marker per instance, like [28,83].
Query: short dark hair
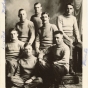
[44,13]
[20,11]
[12,29]
[37,3]
[69,4]
[25,45]
[58,32]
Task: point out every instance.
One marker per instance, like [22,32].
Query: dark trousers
[59,71]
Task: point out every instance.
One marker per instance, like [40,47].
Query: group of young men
[38,52]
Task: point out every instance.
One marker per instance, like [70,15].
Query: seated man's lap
[19,82]
[11,66]
[59,71]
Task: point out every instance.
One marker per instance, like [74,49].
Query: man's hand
[42,61]
[55,62]
[79,41]
[71,43]
[37,51]
[40,56]
[29,81]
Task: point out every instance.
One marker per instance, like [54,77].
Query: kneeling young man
[27,73]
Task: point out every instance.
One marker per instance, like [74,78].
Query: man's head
[22,15]
[69,9]
[37,8]
[13,34]
[45,17]
[28,50]
[58,35]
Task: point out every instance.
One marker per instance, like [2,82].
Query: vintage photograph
[43,43]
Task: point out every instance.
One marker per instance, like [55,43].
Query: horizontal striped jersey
[44,37]
[13,49]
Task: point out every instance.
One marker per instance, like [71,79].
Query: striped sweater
[26,31]
[13,49]
[44,37]
[68,24]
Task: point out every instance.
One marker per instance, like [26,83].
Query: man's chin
[22,20]
[13,39]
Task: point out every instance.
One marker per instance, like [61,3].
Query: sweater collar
[60,45]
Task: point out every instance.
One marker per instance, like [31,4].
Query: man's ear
[41,8]
[18,15]
[17,34]
[49,18]
[41,18]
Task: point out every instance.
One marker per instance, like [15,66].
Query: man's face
[22,15]
[58,38]
[38,8]
[14,35]
[45,18]
[28,50]
[69,9]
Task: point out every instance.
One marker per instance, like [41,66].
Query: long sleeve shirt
[45,36]
[26,31]
[14,49]
[59,54]
[68,24]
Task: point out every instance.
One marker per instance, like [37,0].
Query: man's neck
[23,21]
[60,44]
[15,40]
[38,14]
[28,57]
[46,24]
[68,15]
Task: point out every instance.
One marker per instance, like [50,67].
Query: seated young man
[27,74]
[59,57]
[25,28]
[13,50]
[67,23]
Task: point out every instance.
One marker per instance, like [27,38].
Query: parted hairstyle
[58,32]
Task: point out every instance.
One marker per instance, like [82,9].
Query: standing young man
[25,28]
[36,18]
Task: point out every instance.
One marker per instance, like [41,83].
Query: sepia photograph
[43,43]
